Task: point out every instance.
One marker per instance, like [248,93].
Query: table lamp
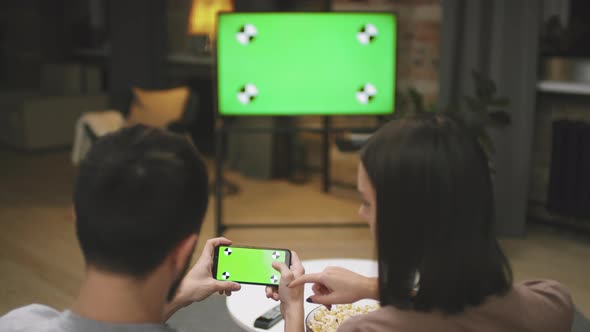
[203,20]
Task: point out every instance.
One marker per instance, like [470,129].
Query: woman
[427,195]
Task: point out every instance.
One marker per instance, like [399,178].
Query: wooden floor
[40,260]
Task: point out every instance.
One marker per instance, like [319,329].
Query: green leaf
[487,143]
[401,104]
[499,102]
[452,108]
[417,100]
[485,87]
[500,118]
[473,104]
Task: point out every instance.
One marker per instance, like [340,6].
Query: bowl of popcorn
[321,319]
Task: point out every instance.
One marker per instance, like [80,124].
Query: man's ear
[183,251]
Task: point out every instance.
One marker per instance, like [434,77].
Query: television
[339,63]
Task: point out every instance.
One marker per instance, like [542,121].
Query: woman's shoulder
[538,305]
[549,295]
[543,305]
[534,305]
[546,288]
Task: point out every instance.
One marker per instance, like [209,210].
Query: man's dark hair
[434,215]
[140,191]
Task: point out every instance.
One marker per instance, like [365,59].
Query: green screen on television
[306,63]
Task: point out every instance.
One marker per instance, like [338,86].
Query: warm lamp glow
[203,16]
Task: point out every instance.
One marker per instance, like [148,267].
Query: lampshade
[203,16]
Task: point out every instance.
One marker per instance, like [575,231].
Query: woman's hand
[336,285]
[291,297]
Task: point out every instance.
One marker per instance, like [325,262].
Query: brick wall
[418,44]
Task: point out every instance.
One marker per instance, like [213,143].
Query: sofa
[31,120]
[45,117]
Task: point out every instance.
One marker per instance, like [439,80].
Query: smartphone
[249,265]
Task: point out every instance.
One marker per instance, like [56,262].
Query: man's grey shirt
[40,318]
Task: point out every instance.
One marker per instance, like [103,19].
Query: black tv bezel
[215,80]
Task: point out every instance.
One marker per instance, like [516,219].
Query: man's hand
[336,285]
[199,284]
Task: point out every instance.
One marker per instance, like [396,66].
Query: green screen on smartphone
[249,265]
[306,63]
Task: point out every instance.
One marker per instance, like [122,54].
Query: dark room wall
[20,21]
[35,32]
[138,47]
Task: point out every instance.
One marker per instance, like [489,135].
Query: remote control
[269,318]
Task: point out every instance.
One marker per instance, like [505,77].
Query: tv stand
[226,127]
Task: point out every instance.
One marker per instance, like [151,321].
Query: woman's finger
[306,278]
[316,288]
[319,289]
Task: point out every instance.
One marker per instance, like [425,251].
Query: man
[140,199]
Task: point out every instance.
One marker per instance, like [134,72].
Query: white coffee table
[250,302]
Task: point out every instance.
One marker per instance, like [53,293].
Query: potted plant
[481,111]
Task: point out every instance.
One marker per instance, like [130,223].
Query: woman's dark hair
[140,192]
[434,215]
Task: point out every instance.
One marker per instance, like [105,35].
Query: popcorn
[324,320]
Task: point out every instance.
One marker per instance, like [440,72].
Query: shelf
[175,58]
[191,59]
[565,87]
[92,52]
